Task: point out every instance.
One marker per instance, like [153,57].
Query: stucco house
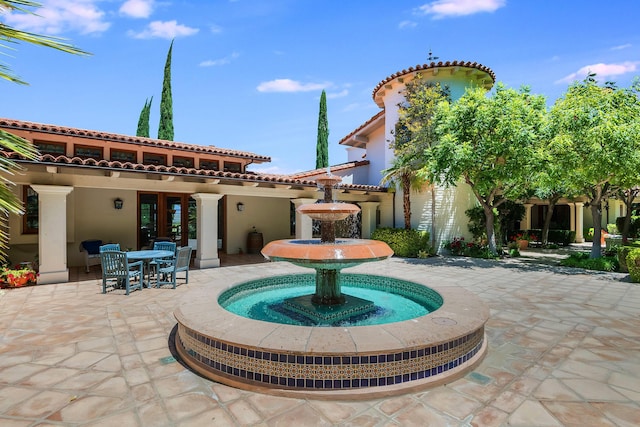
[131,190]
[370,142]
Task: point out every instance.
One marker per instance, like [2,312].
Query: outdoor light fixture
[118,203]
[240,206]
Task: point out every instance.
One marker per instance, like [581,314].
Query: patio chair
[110,247]
[117,271]
[168,269]
[91,252]
[162,245]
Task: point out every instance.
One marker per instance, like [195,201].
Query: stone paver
[563,351]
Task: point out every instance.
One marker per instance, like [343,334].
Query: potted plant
[522,239]
[17,277]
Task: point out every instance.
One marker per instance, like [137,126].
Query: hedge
[560,237]
[633,264]
[405,243]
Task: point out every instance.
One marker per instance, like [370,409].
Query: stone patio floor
[564,350]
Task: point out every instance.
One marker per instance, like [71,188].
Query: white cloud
[216,29]
[445,8]
[221,61]
[622,46]
[164,30]
[288,85]
[601,70]
[407,24]
[60,16]
[137,8]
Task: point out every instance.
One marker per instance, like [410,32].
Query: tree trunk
[433,216]
[547,221]
[406,201]
[627,198]
[596,214]
[491,236]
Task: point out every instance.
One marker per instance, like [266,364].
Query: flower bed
[17,277]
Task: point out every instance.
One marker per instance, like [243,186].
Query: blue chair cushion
[92,246]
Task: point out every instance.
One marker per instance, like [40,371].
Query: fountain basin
[357,362]
[313,253]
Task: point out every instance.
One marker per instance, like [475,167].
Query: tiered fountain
[381,335]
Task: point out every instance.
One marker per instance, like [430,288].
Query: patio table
[147,256]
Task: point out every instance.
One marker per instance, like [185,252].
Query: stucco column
[527,217]
[579,221]
[52,233]
[304,223]
[572,217]
[207,229]
[368,216]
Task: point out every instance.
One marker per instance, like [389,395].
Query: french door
[165,216]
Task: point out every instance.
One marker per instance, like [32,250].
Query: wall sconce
[240,206]
[118,203]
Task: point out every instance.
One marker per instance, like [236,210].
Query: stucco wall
[269,216]
[450,219]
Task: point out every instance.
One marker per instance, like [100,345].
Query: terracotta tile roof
[83,133]
[294,180]
[332,168]
[362,126]
[432,65]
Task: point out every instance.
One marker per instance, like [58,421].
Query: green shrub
[633,264]
[458,246]
[582,260]
[404,243]
[634,225]
[588,234]
[559,237]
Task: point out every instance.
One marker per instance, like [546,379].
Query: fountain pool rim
[221,346]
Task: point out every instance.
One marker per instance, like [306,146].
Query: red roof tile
[83,133]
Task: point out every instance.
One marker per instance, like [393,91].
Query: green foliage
[505,216]
[588,234]
[14,36]
[560,237]
[322,146]
[143,121]
[634,225]
[404,243]
[583,260]
[597,130]
[489,143]
[459,247]
[477,222]
[165,131]
[633,264]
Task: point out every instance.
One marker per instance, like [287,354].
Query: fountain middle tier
[340,254]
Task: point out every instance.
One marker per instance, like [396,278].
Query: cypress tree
[143,121]
[322,146]
[165,131]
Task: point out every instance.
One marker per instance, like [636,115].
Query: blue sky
[248,74]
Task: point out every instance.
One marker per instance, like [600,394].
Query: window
[87,152]
[54,148]
[154,159]
[183,162]
[232,167]
[30,217]
[123,156]
[211,165]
